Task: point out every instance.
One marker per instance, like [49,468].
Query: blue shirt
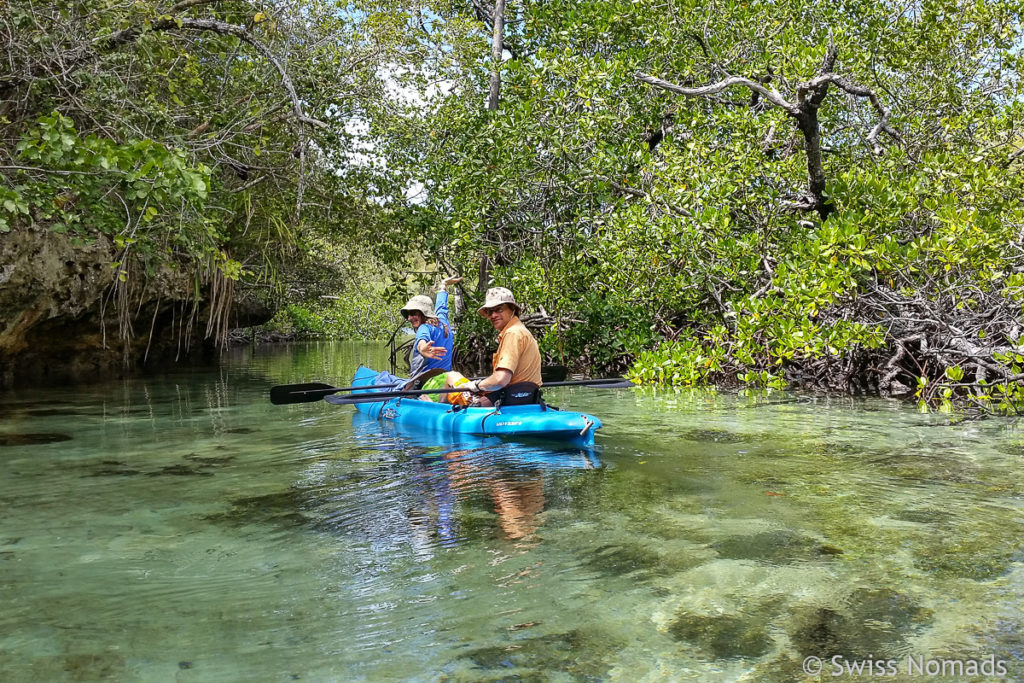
[435,334]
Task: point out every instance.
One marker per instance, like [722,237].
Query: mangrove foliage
[825,195]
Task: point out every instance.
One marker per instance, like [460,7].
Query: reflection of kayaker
[518,497]
[449,468]
[518,504]
[438,510]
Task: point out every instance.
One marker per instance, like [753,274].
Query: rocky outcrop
[66,316]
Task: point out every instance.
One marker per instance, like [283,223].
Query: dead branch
[809,97]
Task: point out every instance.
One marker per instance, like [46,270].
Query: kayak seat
[419,380]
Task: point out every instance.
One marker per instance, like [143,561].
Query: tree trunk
[492,105]
[496,51]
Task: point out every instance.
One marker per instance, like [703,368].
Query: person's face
[415,319]
[499,316]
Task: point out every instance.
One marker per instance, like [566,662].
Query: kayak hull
[533,421]
[492,451]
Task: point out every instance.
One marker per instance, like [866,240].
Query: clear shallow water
[182,528]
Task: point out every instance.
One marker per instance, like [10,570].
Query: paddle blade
[300,393]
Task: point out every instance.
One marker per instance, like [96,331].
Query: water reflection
[455,469]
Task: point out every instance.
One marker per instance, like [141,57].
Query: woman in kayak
[515,378]
[431,354]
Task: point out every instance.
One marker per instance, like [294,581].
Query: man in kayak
[431,354]
[515,378]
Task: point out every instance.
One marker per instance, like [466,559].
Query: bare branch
[770,94]
[55,171]
[1016,155]
[250,184]
[188,4]
[626,189]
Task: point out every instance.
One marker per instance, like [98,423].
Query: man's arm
[496,380]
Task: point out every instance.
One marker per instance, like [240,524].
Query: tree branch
[129,35]
[188,4]
[810,95]
[862,91]
[770,94]
[55,171]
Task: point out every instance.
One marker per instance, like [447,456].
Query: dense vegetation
[825,194]
[202,137]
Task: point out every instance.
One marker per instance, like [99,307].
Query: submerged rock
[112,471]
[282,508]
[535,658]
[211,460]
[872,622]
[722,636]
[986,558]
[713,435]
[780,546]
[616,560]
[924,516]
[31,439]
[179,471]
[94,667]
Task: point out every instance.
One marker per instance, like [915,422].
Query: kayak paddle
[376,396]
[307,393]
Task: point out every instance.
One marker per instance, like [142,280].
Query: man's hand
[428,350]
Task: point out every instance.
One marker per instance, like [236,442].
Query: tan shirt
[518,353]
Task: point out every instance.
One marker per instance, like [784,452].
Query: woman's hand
[448,281]
[428,350]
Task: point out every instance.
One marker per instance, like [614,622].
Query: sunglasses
[496,309]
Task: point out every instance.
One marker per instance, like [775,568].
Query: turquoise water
[182,528]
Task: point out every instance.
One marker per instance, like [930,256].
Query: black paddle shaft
[315,391]
[374,396]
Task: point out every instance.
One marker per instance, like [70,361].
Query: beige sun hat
[497,296]
[421,303]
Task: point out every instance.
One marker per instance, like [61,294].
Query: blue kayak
[535,421]
[480,451]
